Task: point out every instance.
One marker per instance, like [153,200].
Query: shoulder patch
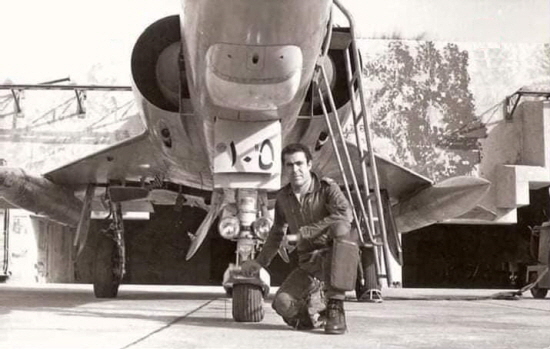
[328,180]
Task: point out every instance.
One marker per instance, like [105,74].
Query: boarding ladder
[370,208]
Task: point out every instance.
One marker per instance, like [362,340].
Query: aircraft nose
[253,77]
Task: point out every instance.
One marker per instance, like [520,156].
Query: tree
[422,105]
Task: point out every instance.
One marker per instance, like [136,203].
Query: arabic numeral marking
[267,154]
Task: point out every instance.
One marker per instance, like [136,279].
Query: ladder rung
[375,218]
[358,117]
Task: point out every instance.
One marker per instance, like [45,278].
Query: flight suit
[327,253]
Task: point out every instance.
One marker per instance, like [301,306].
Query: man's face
[297,168]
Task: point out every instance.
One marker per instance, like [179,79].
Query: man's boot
[336,318]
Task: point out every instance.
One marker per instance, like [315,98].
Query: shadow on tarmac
[148,295]
[211,321]
[62,298]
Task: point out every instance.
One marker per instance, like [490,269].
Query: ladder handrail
[357,138]
[346,152]
[366,218]
[368,139]
[370,215]
[335,147]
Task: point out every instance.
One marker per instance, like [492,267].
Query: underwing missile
[39,195]
[445,200]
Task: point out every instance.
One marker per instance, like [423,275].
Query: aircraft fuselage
[248,62]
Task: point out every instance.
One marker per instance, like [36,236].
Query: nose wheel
[248,303]
[247,293]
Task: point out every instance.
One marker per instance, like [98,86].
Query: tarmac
[142,316]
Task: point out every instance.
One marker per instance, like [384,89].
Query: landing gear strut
[245,221]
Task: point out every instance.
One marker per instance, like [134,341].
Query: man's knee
[340,230]
[286,305]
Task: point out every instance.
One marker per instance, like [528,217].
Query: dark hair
[295,148]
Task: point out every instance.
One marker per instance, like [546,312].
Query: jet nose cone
[251,77]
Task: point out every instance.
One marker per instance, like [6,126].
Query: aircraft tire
[369,275]
[539,293]
[536,292]
[248,303]
[106,283]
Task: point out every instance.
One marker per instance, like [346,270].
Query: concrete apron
[68,316]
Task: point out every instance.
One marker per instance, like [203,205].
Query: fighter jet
[221,88]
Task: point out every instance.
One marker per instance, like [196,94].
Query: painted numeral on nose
[266,164]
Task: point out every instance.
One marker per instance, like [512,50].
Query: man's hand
[306,232]
[292,239]
[250,268]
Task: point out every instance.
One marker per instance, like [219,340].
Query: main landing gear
[539,273]
[110,257]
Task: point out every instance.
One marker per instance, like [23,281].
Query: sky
[46,40]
